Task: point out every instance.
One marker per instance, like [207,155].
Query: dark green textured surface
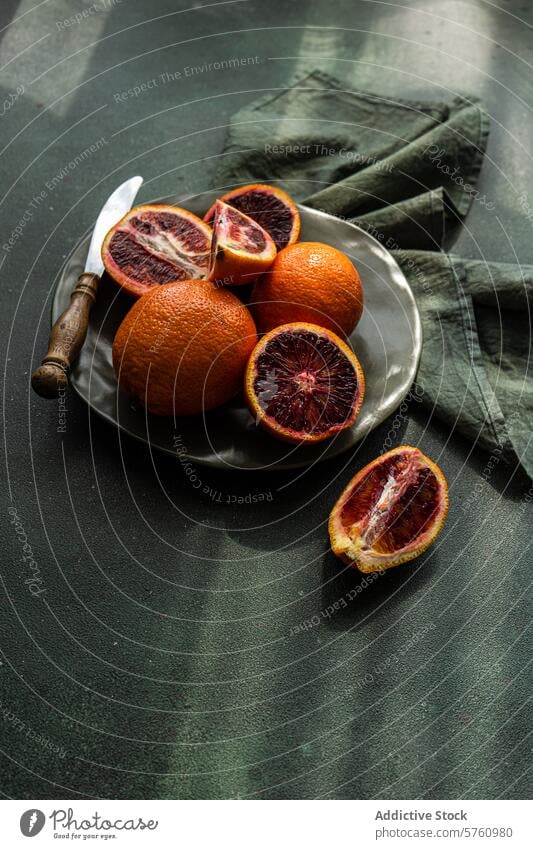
[164,655]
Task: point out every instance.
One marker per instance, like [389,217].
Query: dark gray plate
[387,341]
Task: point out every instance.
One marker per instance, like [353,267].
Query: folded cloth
[406,171]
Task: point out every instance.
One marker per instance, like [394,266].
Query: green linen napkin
[406,171]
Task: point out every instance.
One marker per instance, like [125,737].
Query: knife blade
[115,207]
[67,335]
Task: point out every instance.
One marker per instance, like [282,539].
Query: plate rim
[276,466]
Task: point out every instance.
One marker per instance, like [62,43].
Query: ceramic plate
[387,341]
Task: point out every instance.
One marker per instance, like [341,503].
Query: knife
[68,333]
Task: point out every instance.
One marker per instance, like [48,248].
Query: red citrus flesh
[240,249]
[390,512]
[156,244]
[303,383]
[271,207]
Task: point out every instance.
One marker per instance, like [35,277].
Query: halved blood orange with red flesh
[240,249]
[303,383]
[271,207]
[156,244]
[390,512]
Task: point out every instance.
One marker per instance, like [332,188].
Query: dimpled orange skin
[183,347]
[310,282]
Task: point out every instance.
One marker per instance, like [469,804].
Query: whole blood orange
[183,348]
[271,207]
[312,282]
[303,383]
[390,512]
[240,249]
[156,244]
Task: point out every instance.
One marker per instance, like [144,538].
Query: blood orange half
[271,207]
[390,512]
[240,249]
[303,383]
[156,244]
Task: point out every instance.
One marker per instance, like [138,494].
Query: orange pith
[240,249]
[156,244]
[270,206]
[303,383]
[390,512]
[312,282]
[182,348]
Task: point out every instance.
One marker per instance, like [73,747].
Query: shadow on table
[349,596]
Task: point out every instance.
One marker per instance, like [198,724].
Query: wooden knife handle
[66,339]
